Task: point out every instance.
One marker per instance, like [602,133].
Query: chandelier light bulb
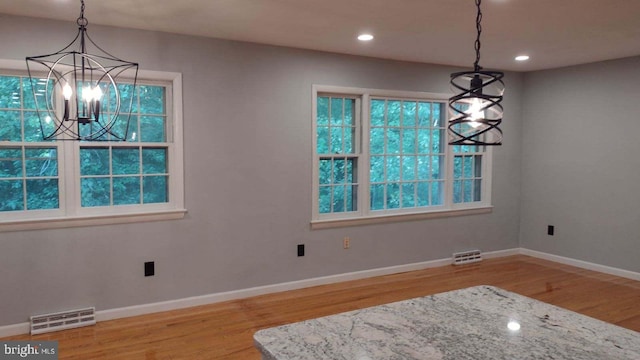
[87,94]
[475,111]
[67,91]
[97,93]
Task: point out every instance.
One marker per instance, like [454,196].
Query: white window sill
[94,220]
[382,219]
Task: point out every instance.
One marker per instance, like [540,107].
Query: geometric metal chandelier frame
[78,94]
[475,112]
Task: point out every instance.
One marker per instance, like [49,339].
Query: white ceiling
[554,33]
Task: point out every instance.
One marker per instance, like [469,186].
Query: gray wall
[581,163]
[247,122]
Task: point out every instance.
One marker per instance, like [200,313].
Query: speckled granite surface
[471,323]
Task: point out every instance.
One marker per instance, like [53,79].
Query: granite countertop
[481,322]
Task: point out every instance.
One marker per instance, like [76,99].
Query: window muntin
[35,183]
[401,163]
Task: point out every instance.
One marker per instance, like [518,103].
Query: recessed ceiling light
[365,37]
[522,57]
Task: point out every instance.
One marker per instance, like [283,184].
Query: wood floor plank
[225,330]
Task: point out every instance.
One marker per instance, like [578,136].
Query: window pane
[126,127]
[10,126]
[436,166]
[336,140]
[41,162]
[457,191]
[393,141]
[377,112]
[126,96]
[338,199]
[409,141]
[9,92]
[377,197]
[336,112]
[478,166]
[33,129]
[154,161]
[42,194]
[393,168]
[424,171]
[439,115]
[437,141]
[377,169]
[468,190]
[393,196]
[126,161]
[409,114]
[152,129]
[324,203]
[96,192]
[437,188]
[10,162]
[424,114]
[152,99]
[423,194]
[477,190]
[408,168]
[339,172]
[323,140]
[408,195]
[325,171]
[126,190]
[28,101]
[424,141]
[94,161]
[393,112]
[468,166]
[351,197]
[323,111]
[457,167]
[349,140]
[376,141]
[155,189]
[11,195]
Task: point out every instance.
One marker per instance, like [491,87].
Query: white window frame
[363,215]
[70,213]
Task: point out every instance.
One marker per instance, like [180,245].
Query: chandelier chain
[476,65]
[82,21]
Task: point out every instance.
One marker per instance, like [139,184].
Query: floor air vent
[467,257]
[62,320]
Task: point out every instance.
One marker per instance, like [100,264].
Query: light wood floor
[225,330]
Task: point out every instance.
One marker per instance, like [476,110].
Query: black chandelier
[475,112]
[92,106]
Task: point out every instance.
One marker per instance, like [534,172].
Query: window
[57,183]
[384,155]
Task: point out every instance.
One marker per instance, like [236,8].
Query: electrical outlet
[346,242]
[550,230]
[149,268]
[301,250]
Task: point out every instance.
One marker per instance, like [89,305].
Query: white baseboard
[582,264]
[260,290]
[15,329]
[112,314]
